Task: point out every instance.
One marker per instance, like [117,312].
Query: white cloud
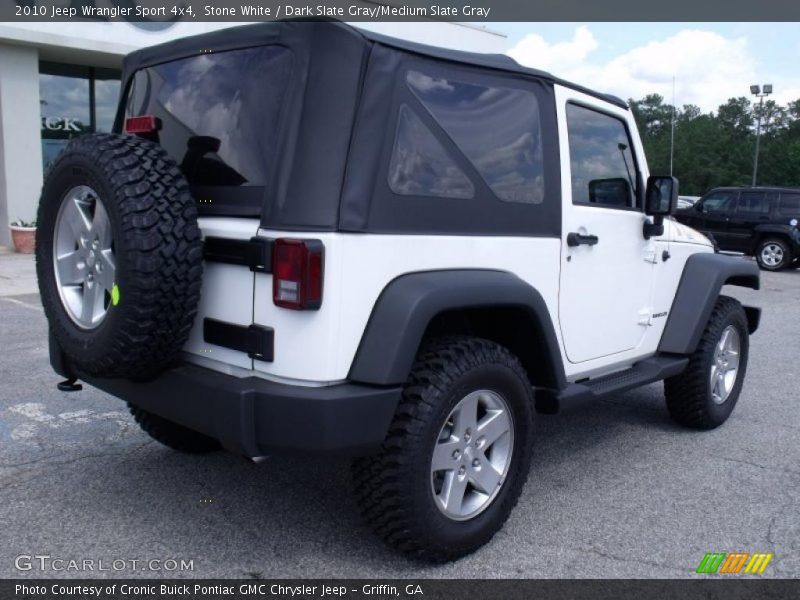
[534,51]
[708,68]
[785,95]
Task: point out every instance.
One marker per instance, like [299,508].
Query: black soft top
[260,33]
[337,127]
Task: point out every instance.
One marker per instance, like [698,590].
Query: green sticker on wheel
[115,295]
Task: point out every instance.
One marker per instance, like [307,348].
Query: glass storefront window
[106,97]
[74,101]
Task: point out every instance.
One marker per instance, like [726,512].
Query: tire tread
[380,479]
[163,256]
[687,394]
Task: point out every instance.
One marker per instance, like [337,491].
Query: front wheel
[705,394]
[457,453]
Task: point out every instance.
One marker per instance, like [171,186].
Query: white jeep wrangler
[305,238]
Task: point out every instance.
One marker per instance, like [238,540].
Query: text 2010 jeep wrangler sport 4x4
[305,238]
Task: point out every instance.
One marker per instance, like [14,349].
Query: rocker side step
[646,371]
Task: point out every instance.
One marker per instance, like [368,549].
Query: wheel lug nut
[476,463]
[462,469]
[456,454]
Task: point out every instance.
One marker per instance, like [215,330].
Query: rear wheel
[773,254]
[171,434]
[457,454]
[704,396]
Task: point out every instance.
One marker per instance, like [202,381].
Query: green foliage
[716,149]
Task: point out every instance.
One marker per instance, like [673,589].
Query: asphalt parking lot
[616,490]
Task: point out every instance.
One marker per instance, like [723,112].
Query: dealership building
[62,80]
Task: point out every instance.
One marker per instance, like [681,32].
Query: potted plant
[23,233]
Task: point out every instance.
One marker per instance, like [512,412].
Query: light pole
[757,92]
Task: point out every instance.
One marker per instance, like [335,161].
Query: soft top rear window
[220,115]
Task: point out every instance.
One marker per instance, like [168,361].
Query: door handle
[578,239]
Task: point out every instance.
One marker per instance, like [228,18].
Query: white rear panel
[319,346]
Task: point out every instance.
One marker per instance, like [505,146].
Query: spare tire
[118,256]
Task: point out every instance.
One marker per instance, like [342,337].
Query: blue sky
[710,61]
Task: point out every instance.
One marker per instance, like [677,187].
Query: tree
[714,149]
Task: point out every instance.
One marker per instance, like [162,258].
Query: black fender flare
[765,230]
[408,304]
[774,228]
[704,274]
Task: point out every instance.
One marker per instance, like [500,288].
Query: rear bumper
[255,417]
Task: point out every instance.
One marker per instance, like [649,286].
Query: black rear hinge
[255,253]
[258,341]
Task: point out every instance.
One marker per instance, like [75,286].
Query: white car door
[607,267]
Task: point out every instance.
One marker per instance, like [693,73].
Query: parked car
[310,239]
[757,221]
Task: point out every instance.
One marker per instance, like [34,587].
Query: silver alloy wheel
[472,455]
[725,367]
[83,257]
[772,255]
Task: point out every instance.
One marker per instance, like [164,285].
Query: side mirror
[661,198]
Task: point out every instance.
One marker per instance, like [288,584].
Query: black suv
[759,221]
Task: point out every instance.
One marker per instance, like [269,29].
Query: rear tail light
[143,124]
[297,269]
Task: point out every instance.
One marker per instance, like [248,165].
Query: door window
[601,159]
[753,203]
[717,203]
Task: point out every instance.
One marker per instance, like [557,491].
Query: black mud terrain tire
[171,434]
[395,488]
[692,400]
[156,254]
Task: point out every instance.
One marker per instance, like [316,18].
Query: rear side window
[754,203]
[790,205]
[219,112]
[421,166]
[496,128]
[601,159]
[718,202]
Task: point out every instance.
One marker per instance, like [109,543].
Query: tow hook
[69,385]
